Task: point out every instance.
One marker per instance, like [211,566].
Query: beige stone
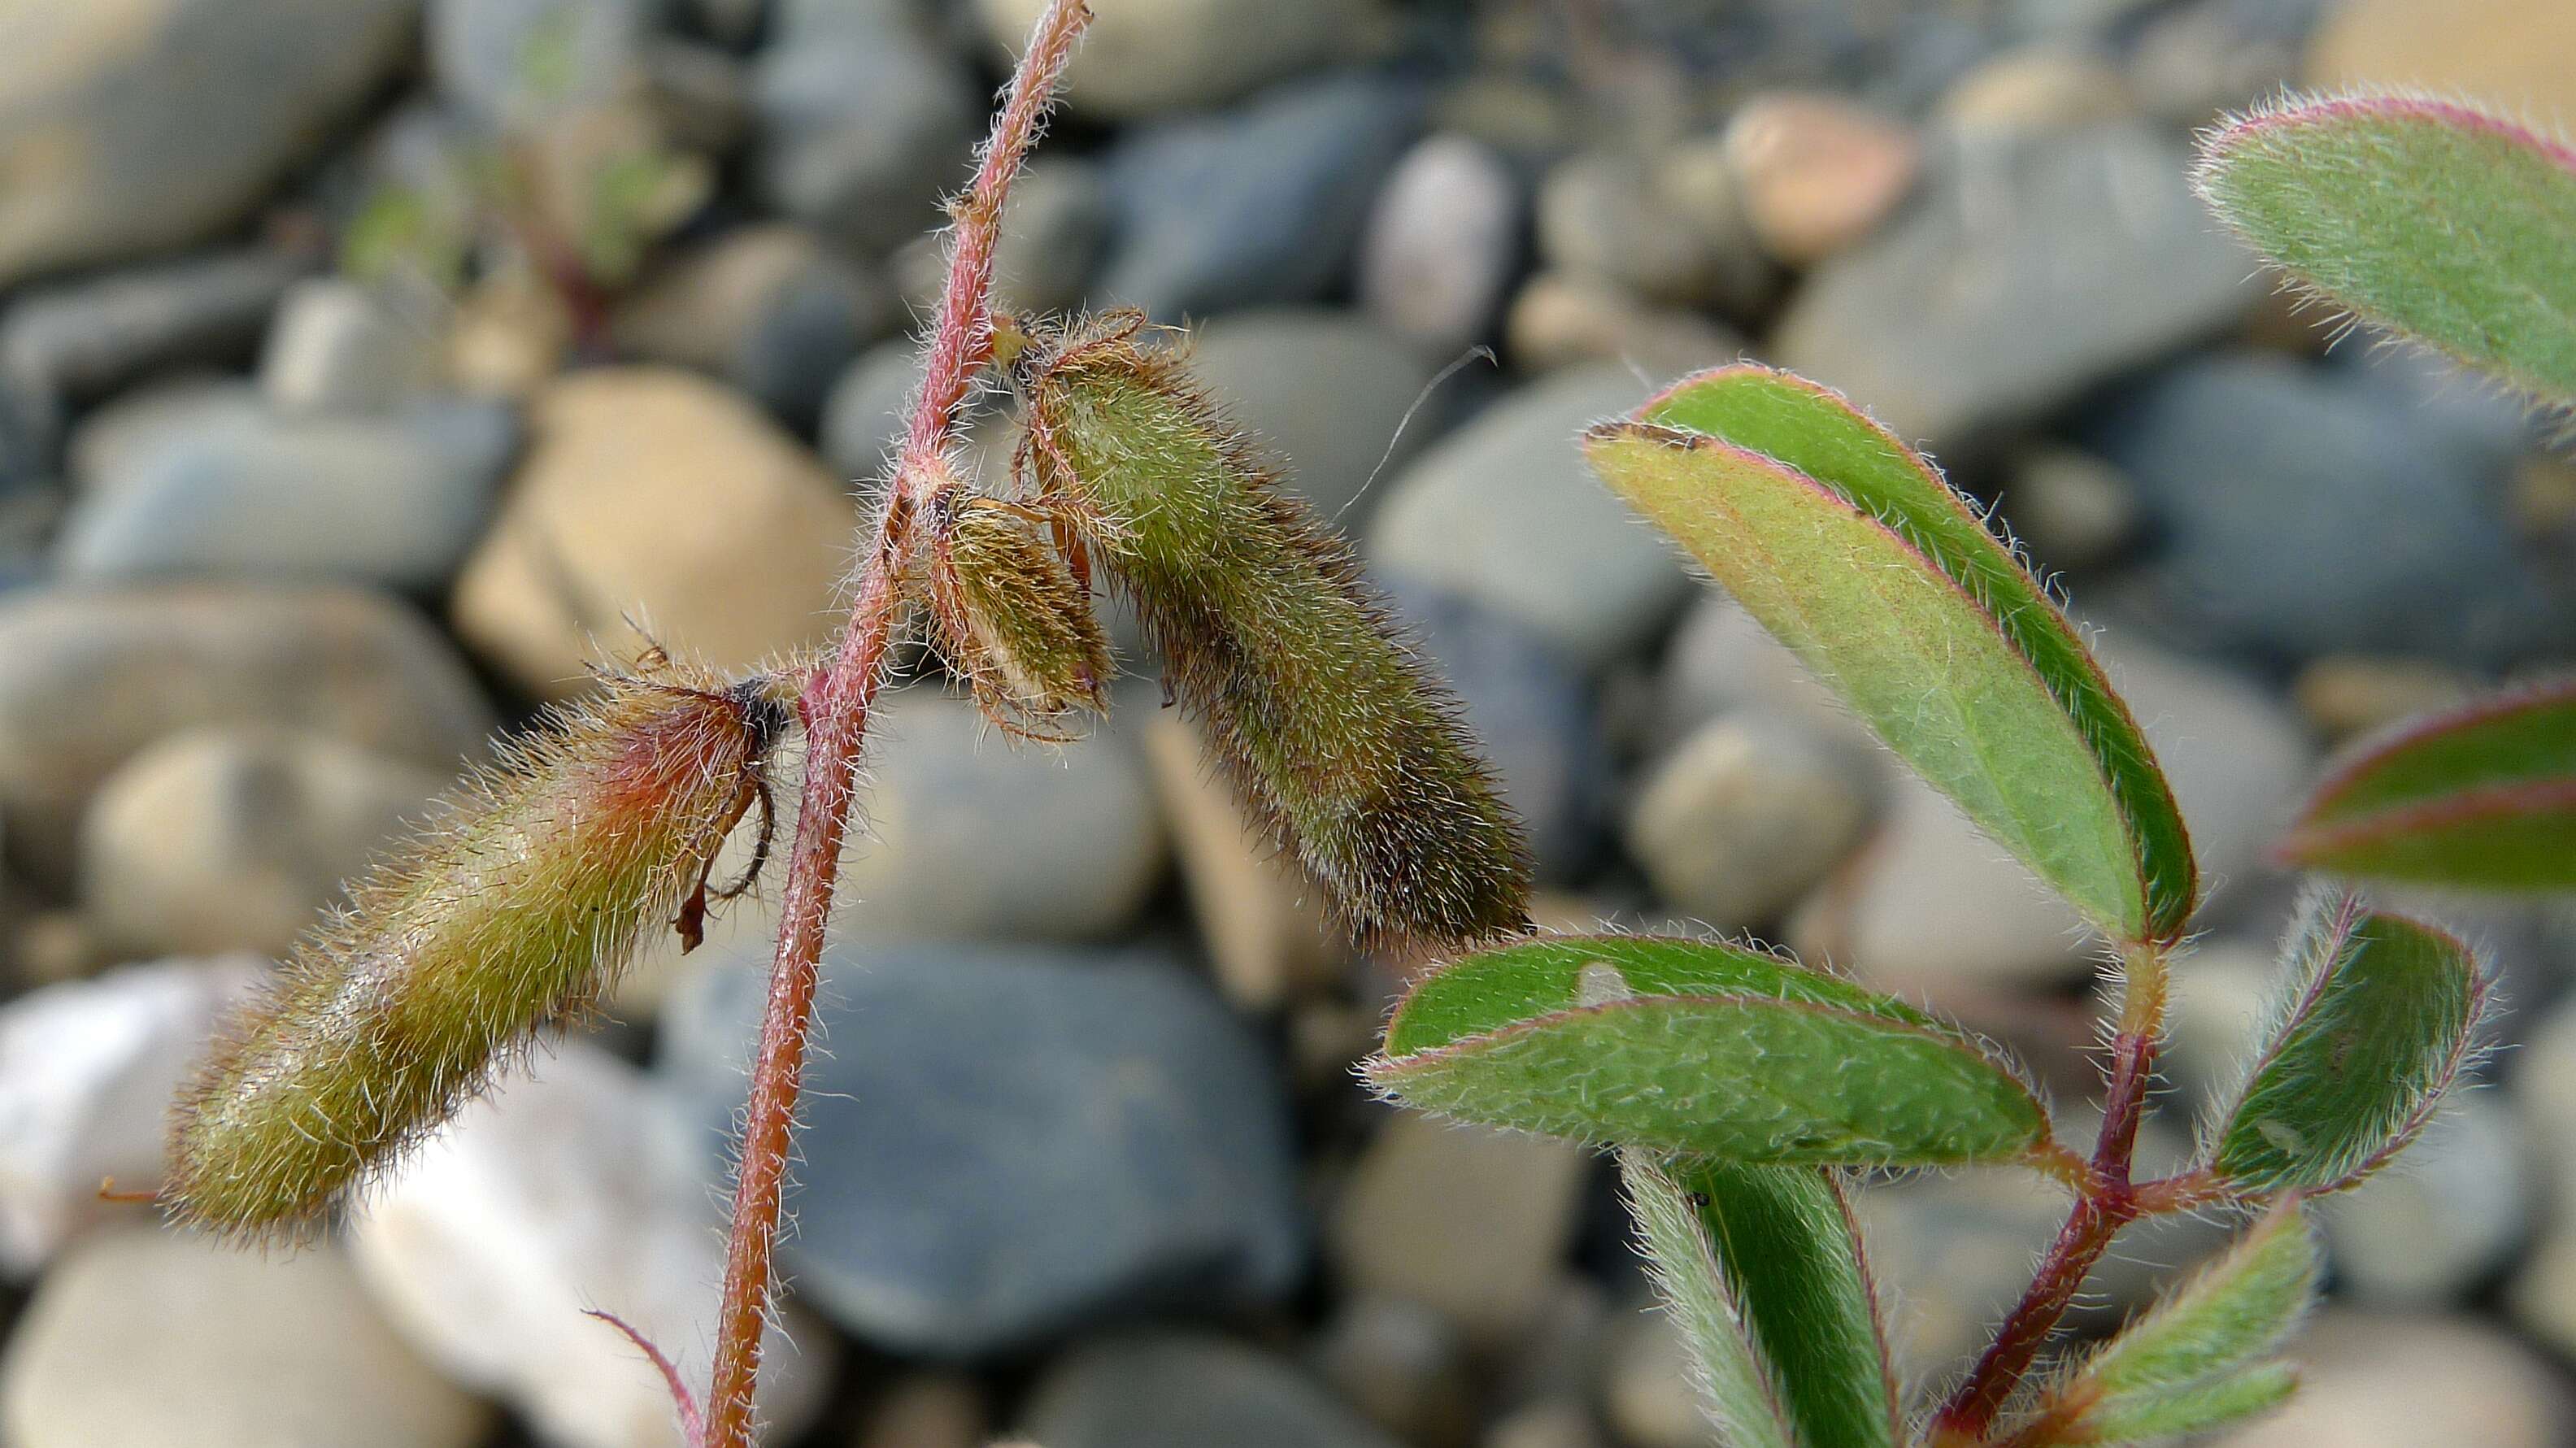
[1264,927]
[2516,54]
[1468,1221]
[1818,173]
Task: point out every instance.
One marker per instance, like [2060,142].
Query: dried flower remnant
[518,906]
[1011,616]
[1355,760]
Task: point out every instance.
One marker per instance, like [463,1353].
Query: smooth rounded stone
[511,333]
[394,499]
[1263,925]
[1328,396]
[973,838]
[1263,204]
[1187,1390]
[1145,57]
[1650,1392]
[88,677]
[2040,86]
[2344,696]
[2391,1380]
[570,1187]
[337,346]
[652,494]
[87,1068]
[104,447]
[1548,1423]
[1818,173]
[526,61]
[768,309]
[1746,816]
[2517,56]
[2449,1212]
[1720,659]
[2303,510]
[1403,1367]
[237,837]
[149,1339]
[1532,715]
[135,126]
[2074,510]
[1502,511]
[2222,995]
[1561,319]
[860,121]
[1442,243]
[1470,1222]
[2028,269]
[1608,215]
[1054,228]
[72,341]
[865,414]
[1003,1144]
[928,1410]
[2193,65]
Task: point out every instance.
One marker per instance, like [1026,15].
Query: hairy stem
[835,706]
[2105,1202]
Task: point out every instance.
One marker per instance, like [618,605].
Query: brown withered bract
[518,907]
[1011,615]
[1327,724]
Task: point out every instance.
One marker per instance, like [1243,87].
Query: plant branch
[2105,1202]
[835,706]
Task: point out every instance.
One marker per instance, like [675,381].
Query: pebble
[509,335]
[2390,1380]
[1442,243]
[2029,269]
[2345,696]
[1148,57]
[1817,172]
[149,1339]
[1054,230]
[237,837]
[1503,512]
[652,494]
[865,414]
[1602,214]
[337,346]
[2443,1218]
[2513,55]
[1078,1134]
[1651,1392]
[87,1068]
[88,677]
[1267,940]
[394,499]
[2075,511]
[1328,396]
[136,126]
[1402,1366]
[104,446]
[1746,816]
[1720,659]
[523,62]
[928,1410]
[2045,85]
[2303,510]
[1560,319]
[861,121]
[1253,206]
[767,308]
[1549,1423]
[570,1187]
[1470,1222]
[1170,1389]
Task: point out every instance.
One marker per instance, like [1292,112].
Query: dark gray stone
[1175,1390]
[1264,204]
[1325,394]
[861,121]
[1001,1145]
[521,60]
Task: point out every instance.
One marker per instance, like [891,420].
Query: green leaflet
[2382,1014]
[2436,219]
[1762,1268]
[2483,797]
[1847,546]
[2200,1357]
[1711,1049]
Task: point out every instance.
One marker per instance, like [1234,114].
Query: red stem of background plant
[835,707]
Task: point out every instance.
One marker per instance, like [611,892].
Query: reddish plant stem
[2106,1201]
[835,706]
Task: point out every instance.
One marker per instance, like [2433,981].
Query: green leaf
[1701,1048]
[2200,1357]
[1762,1268]
[2483,797]
[2381,1016]
[2436,219]
[1850,548]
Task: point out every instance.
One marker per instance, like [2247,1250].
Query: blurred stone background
[364,364]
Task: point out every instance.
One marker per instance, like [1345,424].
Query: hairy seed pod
[519,906]
[1268,633]
[1009,615]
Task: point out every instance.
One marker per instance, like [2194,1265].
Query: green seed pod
[1357,762]
[1008,614]
[519,906]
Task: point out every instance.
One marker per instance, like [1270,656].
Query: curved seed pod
[1008,614]
[1357,762]
[520,905]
